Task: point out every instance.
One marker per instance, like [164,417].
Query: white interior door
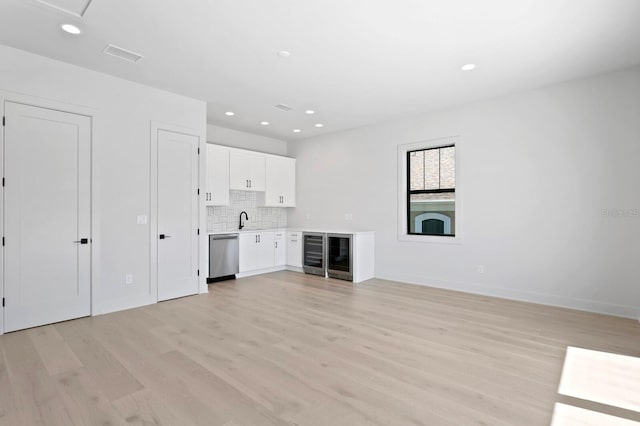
[177,214]
[47,211]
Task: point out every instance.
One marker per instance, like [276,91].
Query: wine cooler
[340,256]
[313,246]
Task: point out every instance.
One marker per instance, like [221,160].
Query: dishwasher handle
[225,237]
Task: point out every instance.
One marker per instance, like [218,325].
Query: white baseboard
[626,311]
[110,306]
[260,271]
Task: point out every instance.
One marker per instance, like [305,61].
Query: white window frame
[402,191]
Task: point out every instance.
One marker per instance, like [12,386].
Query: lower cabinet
[266,251]
[294,248]
[280,248]
[257,250]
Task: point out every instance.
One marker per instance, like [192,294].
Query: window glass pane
[448,167]
[432,214]
[432,169]
[416,166]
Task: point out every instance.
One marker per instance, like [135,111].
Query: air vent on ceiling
[121,53]
[283,107]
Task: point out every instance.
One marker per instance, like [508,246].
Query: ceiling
[355,62]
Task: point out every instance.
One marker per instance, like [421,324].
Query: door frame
[94,219]
[153,206]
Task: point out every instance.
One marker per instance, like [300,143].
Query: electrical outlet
[128,279]
[481,269]
[348,216]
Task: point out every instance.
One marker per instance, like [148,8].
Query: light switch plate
[142,219]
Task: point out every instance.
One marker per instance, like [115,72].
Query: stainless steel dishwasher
[223,256]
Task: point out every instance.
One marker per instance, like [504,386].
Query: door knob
[163,236]
[82,241]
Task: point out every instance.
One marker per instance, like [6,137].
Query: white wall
[539,169]
[238,139]
[123,112]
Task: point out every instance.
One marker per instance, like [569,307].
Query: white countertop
[318,230]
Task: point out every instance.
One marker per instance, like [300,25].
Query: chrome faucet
[246,216]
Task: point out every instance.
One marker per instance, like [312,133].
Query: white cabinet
[280,248]
[280,181]
[247,252]
[294,248]
[246,170]
[256,250]
[217,191]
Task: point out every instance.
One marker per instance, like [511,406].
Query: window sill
[430,239]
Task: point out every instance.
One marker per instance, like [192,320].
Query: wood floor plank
[36,400]
[108,373]
[54,352]
[149,407]
[82,397]
[293,349]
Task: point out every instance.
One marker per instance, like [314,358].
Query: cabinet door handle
[258,237]
[276,244]
[249,183]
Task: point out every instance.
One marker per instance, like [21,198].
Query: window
[431,191]
[430,200]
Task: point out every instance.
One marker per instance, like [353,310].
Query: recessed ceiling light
[468,67]
[309,111]
[296,130]
[284,53]
[71,29]
[319,125]
[264,123]
[230,113]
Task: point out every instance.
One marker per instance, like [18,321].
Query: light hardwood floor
[293,349]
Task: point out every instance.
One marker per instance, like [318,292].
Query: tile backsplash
[226,218]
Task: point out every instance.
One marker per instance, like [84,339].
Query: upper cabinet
[272,176]
[217,190]
[247,170]
[281,182]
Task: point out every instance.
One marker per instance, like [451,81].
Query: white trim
[431,215]
[260,271]
[93,114]
[402,191]
[626,311]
